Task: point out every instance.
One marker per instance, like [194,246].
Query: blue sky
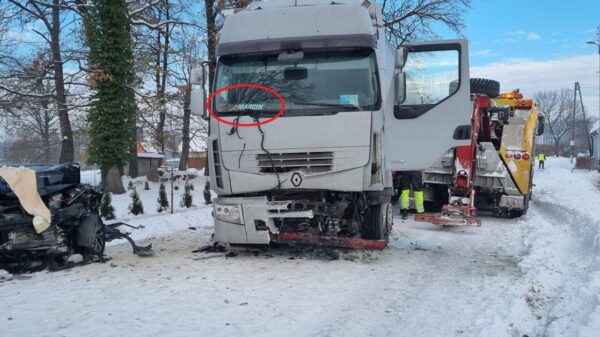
[535,45]
[539,29]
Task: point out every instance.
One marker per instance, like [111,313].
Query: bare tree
[188,55]
[46,19]
[409,20]
[557,108]
[160,31]
[33,118]
[169,39]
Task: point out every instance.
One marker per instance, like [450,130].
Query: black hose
[262,146]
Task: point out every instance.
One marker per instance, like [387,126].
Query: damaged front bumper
[255,224]
[256,220]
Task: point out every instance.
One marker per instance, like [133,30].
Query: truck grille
[310,162]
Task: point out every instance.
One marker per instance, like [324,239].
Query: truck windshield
[310,83]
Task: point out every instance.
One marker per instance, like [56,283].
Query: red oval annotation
[245,85]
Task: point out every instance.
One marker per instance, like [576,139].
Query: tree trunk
[160,127]
[112,181]
[211,27]
[67,149]
[162,68]
[133,162]
[47,147]
[557,147]
[185,137]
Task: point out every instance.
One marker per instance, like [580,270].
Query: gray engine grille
[312,162]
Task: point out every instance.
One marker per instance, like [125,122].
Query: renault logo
[296,179]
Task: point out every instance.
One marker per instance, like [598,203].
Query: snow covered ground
[535,276]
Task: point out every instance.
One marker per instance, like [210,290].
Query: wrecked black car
[75,226]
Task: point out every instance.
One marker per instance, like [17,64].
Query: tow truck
[494,172]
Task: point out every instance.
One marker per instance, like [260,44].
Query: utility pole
[597,43]
[573,120]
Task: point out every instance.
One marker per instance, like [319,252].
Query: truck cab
[355,109]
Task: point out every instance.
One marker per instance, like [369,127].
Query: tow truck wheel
[520,213]
[377,223]
[89,235]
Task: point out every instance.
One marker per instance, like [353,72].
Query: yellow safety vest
[541,157]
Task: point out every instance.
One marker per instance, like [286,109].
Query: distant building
[197,159]
[147,163]
[595,135]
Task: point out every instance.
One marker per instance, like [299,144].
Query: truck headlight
[229,213]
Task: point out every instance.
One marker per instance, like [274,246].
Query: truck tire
[485,86]
[519,213]
[377,222]
[89,236]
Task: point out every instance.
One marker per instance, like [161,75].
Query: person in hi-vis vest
[541,160]
[411,180]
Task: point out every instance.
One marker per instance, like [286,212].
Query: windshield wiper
[334,105]
[245,112]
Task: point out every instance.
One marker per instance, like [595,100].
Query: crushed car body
[74,225]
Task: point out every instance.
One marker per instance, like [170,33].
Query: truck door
[436,110]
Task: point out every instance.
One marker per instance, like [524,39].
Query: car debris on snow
[46,215]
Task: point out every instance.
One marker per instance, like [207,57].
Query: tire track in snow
[561,255]
[436,281]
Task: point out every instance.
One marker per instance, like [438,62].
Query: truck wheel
[485,86]
[520,213]
[377,223]
[89,235]
[517,213]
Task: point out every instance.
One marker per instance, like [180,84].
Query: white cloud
[533,36]
[532,75]
[518,35]
[485,52]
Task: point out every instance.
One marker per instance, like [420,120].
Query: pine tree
[112,117]
[146,186]
[107,211]
[136,207]
[207,196]
[163,202]
[186,197]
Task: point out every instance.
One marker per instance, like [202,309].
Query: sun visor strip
[299,43]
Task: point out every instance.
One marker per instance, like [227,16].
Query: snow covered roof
[150,155]
[146,151]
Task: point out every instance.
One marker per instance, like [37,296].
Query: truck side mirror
[400,83]
[197,76]
[197,102]
[197,107]
[400,57]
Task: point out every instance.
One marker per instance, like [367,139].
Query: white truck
[356,109]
